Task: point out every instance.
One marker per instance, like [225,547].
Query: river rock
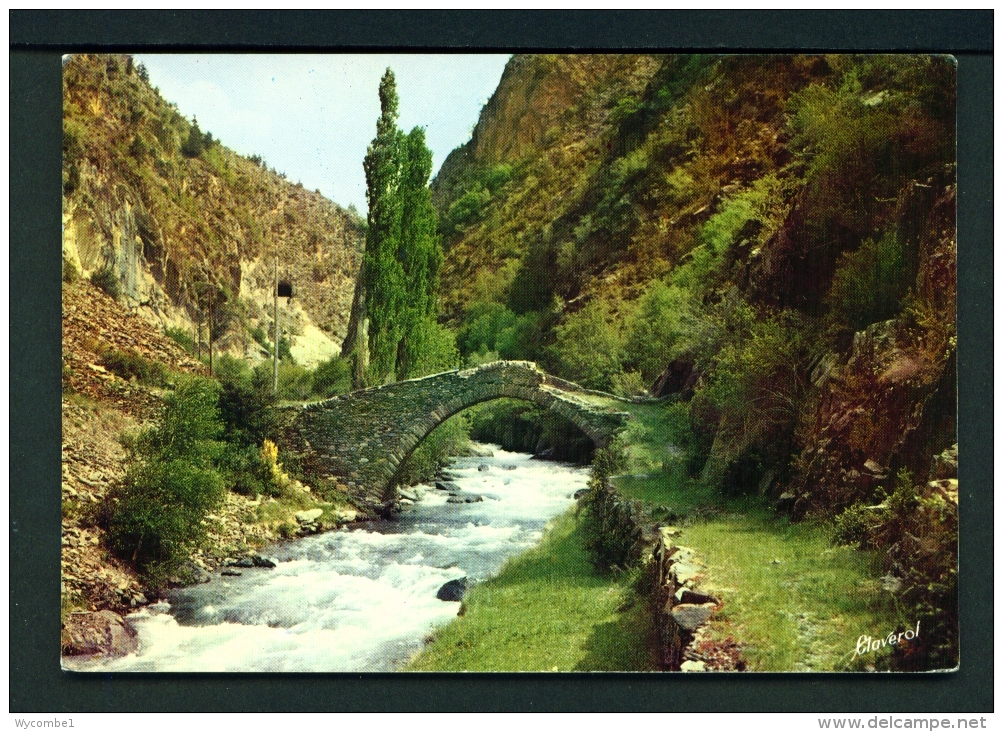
[405,495]
[693,666]
[245,562]
[688,596]
[464,499]
[346,515]
[579,493]
[691,617]
[446,485]
[483,468]
[231,573]
[102,633]
[308,517]
[262,562]
[453,591]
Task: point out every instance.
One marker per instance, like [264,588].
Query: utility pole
[275,317]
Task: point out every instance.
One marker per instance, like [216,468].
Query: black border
[37,38]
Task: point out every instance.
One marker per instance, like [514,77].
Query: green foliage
[129,365]
[433,454]
[870,283]
[589,347]
[156,515]
[403,253]
[611,524]
[659,328]
[432,349]
[245,402]
[467,209]
[196,142]
[295,381]
[917,526]
[106,280]
[182,337]
[483,324]
[332,377]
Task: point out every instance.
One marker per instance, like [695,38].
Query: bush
[611,524]
[182,338]
[106,280]
[129,365]
[156,516]
[245,402]
[430,349]
[869,284]
[332,377]
[588,347]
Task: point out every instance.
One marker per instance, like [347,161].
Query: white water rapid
[358,599]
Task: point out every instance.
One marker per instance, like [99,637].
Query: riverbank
[790,599]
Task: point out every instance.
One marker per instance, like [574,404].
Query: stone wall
[356,442]
[680,607]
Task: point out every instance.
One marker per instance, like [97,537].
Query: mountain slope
[182,222]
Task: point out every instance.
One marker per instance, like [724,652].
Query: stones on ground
[231,573]
[309,516]
[446,485]
[407,496]
[693,667]
[685,571]
[101,633]
[690,617]
[454,590]
[691,597]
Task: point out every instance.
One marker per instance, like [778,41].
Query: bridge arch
[358,441]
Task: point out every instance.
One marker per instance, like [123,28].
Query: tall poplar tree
[394,310]
[420,253]
[383,274]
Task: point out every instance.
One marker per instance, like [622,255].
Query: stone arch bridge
[358,441]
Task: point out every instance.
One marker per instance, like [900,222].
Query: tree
[394,304]
[383,275]
[420,252]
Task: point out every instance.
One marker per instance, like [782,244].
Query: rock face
[101,633]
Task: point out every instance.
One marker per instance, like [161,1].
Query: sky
[313,116]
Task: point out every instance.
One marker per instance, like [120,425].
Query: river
[360,599]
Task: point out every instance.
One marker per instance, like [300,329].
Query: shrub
[869,284]
[182,338]
[611,524]
[245,402]
[156,515]
[588,347]
[106,280]
[430,349]
[129,365]
[332,377]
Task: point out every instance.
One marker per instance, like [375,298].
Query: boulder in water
[483,468]
[464,499]
[453,591]
[446,485]
[580,492]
